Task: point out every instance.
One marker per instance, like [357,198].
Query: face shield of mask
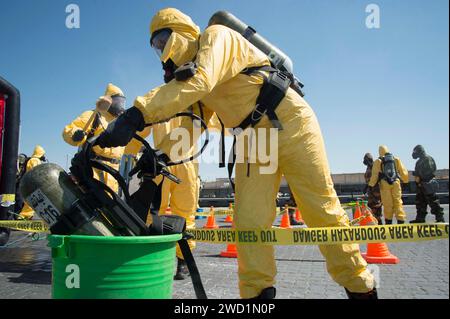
[117,106]
[159,40]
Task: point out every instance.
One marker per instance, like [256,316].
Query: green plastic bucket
[91,267]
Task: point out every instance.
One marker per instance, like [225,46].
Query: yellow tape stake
[224,212]
[35,226]
[324,236]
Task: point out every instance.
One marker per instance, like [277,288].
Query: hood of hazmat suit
[383,150]
[175,37]
[38,152]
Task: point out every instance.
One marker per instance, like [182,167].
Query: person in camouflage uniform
[427,186]
[374,195]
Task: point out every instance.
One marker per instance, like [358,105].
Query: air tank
[51,192]
[277,57]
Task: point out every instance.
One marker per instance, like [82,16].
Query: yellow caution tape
[35,226]
[360,219]
[324,236]
[295,236]
[224,212]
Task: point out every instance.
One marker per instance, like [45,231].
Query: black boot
[440,218]
[388,221]
[295,223]
[4,236]
[400,222]
[268,293]
[420,219]
[182,270]
[371,295]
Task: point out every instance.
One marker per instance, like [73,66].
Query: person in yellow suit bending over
[223,82]
[390,172]
[36,159]
[94,122]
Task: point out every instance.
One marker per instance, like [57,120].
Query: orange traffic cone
[211,222]
[231,251]
[369,220]
[298,216]
[228,219]
[377,253]
[357,214]
[285,221]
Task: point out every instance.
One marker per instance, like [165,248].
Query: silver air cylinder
[51,192]
[277,57]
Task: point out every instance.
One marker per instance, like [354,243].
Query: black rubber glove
[366,189]
[78,136]
[121,131]
[151,163]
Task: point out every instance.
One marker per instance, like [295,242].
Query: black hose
[184,114]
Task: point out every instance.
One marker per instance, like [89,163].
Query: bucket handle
[62,244]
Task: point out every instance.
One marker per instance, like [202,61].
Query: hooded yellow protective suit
[35,160]
[391,195]
[221,55]
[85,122]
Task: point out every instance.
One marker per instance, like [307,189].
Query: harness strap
[272,93]
[193,270]
[231,163]
[222,145]
[95,125]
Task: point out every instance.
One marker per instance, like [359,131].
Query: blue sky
[367,86]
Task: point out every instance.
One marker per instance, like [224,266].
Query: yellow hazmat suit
[95,122]
[391,195]
[221,56]
[35,160]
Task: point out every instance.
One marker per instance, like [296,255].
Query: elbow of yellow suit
[403,172]
[67,136]
[32,163]
[375,173]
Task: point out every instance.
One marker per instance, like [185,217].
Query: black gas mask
[117,106]
[169,70]
[368,160]
[418,152]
